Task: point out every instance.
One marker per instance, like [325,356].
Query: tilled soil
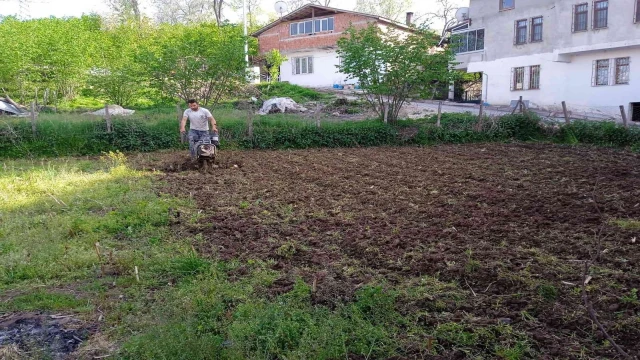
[511,224]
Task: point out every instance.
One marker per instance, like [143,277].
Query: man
[199,119]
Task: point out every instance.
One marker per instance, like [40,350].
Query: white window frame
[526,77]
[314,22]
[466,31]
[502,8]
[297,65]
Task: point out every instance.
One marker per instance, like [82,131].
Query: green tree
[274,61]
[390,9]
[201,61]
[392,66]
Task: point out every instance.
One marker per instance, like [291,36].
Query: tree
[125,10]
[202,61]
[189,11]
[446,14]
[390,9]
[274,61]
[253,7]
[392,66]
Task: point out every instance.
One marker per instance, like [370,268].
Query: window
[312,26]
[635,111]
[637,16]
[600,14]
[536,29]
[467,41]
[518,78]
[534,77]
[602,72]
[507,4]
[580,17]
[622,71]
[303,65]
[521,32]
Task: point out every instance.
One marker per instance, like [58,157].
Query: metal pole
[246,39]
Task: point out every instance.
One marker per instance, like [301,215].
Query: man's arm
[213,122]
[183,124]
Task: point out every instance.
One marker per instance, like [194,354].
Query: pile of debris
[282,105]
[114,110]
[10,107]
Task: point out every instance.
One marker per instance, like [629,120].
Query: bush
[151,132]
[299,94]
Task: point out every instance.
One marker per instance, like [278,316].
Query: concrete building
[308,37]
[584,52]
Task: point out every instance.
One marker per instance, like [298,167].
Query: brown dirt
[508,223]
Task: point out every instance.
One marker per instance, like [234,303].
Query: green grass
[299,94]
[184,306]
[627,223]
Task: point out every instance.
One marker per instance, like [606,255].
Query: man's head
[193,105]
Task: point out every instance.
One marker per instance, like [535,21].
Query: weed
[631,298]
[548,292]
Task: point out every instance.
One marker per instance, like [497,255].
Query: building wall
[566,58]
[279,37]
[325,73]
[563,81]
[557,26]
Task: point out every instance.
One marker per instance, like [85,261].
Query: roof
[306,11]
[9,108]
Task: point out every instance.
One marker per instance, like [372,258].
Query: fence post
[566,113]
[250,121]
[316,115]
[624,115]
[33,118]
[439,113]
[480,117]
[107,117]
[179,115]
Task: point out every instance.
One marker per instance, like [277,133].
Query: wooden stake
[179,115]
[135,268]
[439,113]
[566,113]
[316,115]
[624,116]
[250,121]
[33,118]
[97,245]
[107,117]
[480,117]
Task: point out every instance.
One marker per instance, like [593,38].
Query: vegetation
[392,66]
[274,61]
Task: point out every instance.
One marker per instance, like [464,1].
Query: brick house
[308,38]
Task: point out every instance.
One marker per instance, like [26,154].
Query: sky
[63,8]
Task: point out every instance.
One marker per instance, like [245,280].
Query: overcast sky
[61,8]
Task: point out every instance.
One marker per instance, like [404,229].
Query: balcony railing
[467,41]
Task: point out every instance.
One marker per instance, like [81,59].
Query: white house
[584,52]
[308,37]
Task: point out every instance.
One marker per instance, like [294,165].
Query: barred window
[534,77]
[521,32]
[602,72]
[600,14]
[518,78]
[580,17]
[622,71]
[536,29]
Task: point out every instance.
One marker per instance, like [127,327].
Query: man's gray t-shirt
[198,120]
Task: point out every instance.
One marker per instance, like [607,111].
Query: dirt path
[510,223]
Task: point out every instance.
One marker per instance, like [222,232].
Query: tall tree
[253,8]
[125,9]
[189,11]
[445,14]
[390,9]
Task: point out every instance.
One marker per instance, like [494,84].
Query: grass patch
[45,301]
[626,223]
[299,94]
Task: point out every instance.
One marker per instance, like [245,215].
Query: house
[308,38]
[583,52]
